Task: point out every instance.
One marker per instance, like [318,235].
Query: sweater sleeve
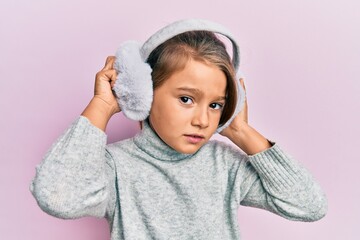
[274,181]
[76,177]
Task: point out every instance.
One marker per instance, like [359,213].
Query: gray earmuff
[133,87]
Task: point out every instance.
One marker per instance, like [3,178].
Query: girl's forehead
[203,81]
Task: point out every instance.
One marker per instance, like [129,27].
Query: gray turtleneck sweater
[147,190]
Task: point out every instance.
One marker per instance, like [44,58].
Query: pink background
[302,65]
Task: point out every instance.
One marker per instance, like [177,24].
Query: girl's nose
[201,118]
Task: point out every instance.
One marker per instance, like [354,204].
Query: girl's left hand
[240,119]
[243,135]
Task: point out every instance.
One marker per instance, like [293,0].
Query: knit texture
[147,190]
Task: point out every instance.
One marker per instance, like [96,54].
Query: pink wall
[302,66]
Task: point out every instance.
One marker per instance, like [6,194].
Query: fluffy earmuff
[134,87]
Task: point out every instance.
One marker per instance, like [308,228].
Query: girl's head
[194,89]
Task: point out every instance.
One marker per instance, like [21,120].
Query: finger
[109,64]
[111,76]
[242,83]
[107,75]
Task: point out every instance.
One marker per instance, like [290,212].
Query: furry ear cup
[133,87]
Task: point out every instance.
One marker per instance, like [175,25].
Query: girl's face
[187,107]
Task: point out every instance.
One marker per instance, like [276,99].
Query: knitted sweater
[147,190]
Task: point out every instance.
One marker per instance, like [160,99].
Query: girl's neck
[149,142]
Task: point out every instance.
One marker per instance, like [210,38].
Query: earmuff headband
[182,26]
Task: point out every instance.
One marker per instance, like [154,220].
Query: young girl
[169,181]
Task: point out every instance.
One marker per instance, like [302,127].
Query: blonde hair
[173,54]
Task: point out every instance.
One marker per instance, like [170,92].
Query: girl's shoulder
[121,144]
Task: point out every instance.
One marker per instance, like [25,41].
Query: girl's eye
[186,100]
[216,106]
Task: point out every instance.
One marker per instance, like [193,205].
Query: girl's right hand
[104,104]
[104,81]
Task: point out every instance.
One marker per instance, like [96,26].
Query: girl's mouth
[194,138]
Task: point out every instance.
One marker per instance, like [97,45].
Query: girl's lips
[193,138]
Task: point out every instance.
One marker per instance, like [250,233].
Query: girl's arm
[243,135]
[76,177]
[247,138]
[271,179]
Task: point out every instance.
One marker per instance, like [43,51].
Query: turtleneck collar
[148,141]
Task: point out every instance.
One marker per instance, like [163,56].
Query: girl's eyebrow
[198,92]
[195,91]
